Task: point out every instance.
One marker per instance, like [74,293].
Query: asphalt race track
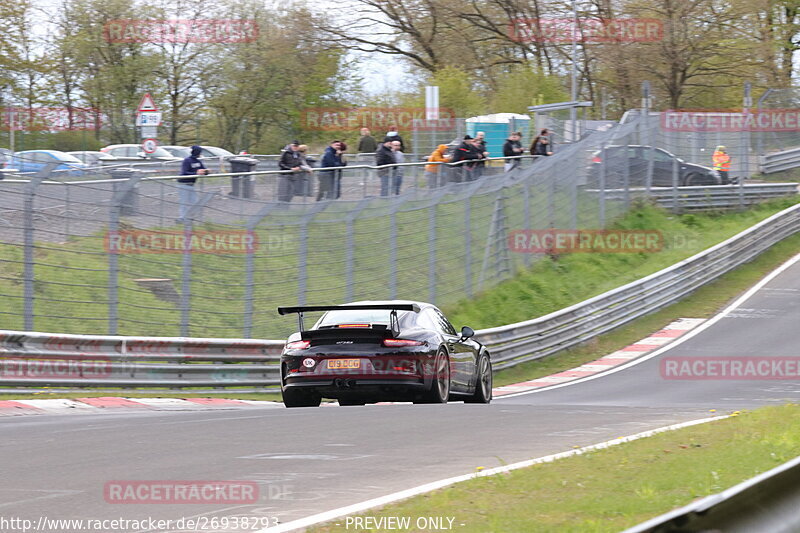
[306,461]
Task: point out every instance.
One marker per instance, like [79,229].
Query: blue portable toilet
[497,127]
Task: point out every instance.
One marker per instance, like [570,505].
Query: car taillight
[597,159]
[352,326]
[394,343]
[298,345]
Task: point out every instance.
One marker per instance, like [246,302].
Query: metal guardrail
[164,362]
[778,161]
[767,502]
[709,197]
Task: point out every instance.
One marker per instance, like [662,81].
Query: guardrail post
[118,201]
[28,249]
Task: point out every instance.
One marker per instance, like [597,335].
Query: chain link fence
[142,255]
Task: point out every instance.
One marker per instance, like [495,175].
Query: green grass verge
[265,396]
[615,488]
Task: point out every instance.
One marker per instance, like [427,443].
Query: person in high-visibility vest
[722,163]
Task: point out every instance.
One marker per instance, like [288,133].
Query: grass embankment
[614,488]
[552,285]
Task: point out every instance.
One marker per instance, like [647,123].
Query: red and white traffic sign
[146,104]
[149,145]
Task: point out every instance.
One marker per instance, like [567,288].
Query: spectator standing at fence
[393,135]
[467,151]
[385,156]
[306,164]
[327,178]
[512,147]
[367,143]
[397,174]
[187,196]
[542,144]
[288,183]
[480,144]
[337,178]
[437,174]
[722,163]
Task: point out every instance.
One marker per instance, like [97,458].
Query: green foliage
[457,91]
[526,86]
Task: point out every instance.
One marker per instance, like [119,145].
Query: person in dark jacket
[542,144]
[393,135]
[288,183]
[187,196]
[480,145]
[385,156]
[327,178]
[512,147]
[467,151]
[367,143]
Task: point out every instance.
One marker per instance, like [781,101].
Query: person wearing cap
[332,158]
[187,196]
[384,155]
[467,151]
[393,135]
[291,161]
[722,162]
[480,144]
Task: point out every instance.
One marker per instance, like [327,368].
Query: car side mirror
[467,332]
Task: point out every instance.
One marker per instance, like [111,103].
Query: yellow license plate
[344,363]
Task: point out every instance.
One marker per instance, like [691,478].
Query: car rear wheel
[483,388]
[299,398]
[440,384]
[696,178]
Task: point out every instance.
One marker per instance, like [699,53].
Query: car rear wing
[348,307]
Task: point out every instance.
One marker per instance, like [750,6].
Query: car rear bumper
[377,388]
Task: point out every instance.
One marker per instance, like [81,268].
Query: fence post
[468,245]
[186,276]
[432,253]
[393,252]
[249,285]
[602,186]
[118,201]
[675,183]
[350,248]
[526,207]
[28,249]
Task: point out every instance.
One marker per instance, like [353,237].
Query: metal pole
[393,253]
[602,186]
[747,104]
[186,277]
[468,246]
[432,253]
[349,263]
[526,207]
[248,289]
[573,112]
[302,260]
[28,251]
[648,142]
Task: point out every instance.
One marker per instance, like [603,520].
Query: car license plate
[343,363]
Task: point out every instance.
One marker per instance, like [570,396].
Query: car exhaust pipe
[340,383]
[350,383]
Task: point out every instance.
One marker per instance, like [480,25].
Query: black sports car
[367,352]
[637,159]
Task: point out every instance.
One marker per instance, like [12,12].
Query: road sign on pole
[146,104]
[149,145]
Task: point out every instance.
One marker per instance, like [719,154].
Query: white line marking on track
[680,340]
[404,494]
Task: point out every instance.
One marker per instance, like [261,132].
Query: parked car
[93,158]
[36,160]
[134,152]
[637,157]
[178,151]
[367,352]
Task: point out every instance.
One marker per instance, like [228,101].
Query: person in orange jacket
[437,174]
[722,163]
